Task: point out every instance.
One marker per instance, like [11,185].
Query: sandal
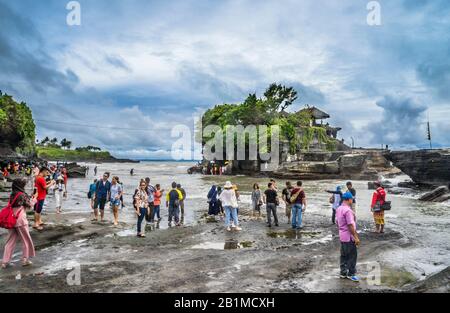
[26,263]
[5,265]
[38,228]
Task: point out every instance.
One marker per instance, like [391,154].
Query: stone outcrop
[439,194]
[75,171]
[361,164]
[425,167]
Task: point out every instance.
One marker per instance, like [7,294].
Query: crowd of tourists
[223,203]
[16,168]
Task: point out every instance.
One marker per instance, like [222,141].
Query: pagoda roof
[316,113]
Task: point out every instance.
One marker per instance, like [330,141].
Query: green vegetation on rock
[17,128]
[396,278]
[58,154]
[270,111]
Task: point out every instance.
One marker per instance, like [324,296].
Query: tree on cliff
[17,128]
[66,143]
[269,110]
[45,141]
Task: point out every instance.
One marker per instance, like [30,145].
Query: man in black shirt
[271,200]
[353,192]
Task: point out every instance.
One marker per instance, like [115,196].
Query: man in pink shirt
[345,221]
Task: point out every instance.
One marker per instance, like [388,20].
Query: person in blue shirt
[101,195]
[336,201]
[91,193]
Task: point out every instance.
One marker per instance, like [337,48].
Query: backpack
[295,196]
[7,218]
[174,198]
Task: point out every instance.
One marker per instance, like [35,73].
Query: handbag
[295,196]
[377,207]
[7,218]
[331,199]
[386,206]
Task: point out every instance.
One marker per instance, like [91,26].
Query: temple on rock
[319,115]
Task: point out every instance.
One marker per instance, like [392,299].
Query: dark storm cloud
[402,122]
[22,56]
[436,74]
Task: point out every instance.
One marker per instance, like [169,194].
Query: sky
[135,69]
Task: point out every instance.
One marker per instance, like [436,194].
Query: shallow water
[427,224]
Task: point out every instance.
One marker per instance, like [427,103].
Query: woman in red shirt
[378,199]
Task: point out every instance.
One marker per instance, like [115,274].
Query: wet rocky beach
[201,256]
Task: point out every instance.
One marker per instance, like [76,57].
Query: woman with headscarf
[213,195]
[336,201]
[20,202]
[378,199]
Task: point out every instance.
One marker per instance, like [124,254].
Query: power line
[102,127]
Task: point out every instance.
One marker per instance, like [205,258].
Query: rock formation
[439,194]
[361,164]
[425,167]
[75,171]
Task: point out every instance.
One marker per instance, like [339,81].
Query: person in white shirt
[60,191]
[229,203]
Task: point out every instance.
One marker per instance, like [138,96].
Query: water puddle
[209,246]
[325,239]
[227,245]
[126,233]
[293,234]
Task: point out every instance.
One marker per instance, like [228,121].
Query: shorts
[379,218]
[115,202]
[288,210]
[39,206]
[100,203]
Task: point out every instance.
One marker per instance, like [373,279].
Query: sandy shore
[193,259]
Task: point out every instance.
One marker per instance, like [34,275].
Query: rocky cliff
[426,167]
[362,164]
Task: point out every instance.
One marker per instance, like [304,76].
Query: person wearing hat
[229,203]
[20,202]
[345,221]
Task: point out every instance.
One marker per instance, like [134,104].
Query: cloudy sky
[134,69]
